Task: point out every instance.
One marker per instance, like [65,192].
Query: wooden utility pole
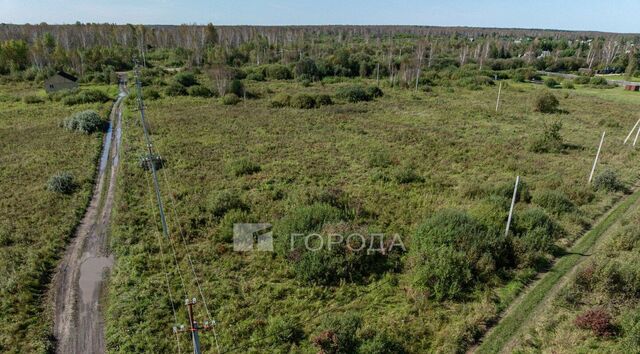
[593,169]
[513,203]
[194,327]
[378,75]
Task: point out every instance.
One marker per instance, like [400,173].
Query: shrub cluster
[301,101]
[550,141]
[358,93]
[199,91]
[31,99]
[596,320]
[546,102]
[86,96]
[243,167]
[224,201]
[608,181]
[230,99]
[62,183]
[554,202]
[86,122]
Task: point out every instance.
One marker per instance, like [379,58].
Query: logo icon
[252,237]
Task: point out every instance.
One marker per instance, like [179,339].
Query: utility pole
[498,100]
[595,162]
[513,204]
[194,327]
[151,157]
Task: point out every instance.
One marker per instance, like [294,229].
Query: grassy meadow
[391,163]
[35,224]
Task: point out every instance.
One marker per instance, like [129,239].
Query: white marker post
[513,203]
[498,100]
[593,169]
[631,132]
[636,139]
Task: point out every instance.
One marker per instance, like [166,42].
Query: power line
[194,327]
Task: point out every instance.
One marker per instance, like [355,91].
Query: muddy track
[81,275]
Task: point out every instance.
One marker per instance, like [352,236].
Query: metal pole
[513,203]
[498,100]
[193,327]
[631,132]
[156,185]
[593,169]
[636,139]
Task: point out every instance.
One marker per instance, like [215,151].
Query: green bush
[505,190]
[175,89]
[534,218]
[451,251]
[568,84]
[243,167]
[339,334]
[551,83]
[374,91]
[280,100]
[492,212]
[86,96]
[230,99]
[255,76]
[303,101]
[546,102]
[186,79]
[62,183]
[223,201]
[283,330]
[608,181]
[550,141]
[407,174]
[86,122]
[199,91]
[31,99]
[150,94]
[381,344]
[278,72]
[306,69]
[554,202]
[598,81]
[324,100]
[582,80]
[237,87]
[353,94]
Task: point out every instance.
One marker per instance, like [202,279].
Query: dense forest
[95,51]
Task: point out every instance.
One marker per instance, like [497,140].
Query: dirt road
[81,275]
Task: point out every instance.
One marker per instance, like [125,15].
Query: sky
[596,15]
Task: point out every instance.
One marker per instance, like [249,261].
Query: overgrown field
[36,223]
[598,310]
[435,167]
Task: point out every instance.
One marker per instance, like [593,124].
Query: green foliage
[353,94]
[550,141]
[505,190]
[278,72]
[551,83]
[149,93]
[407,174]
[86,96]
[546,102]
[62,183]
[87,122]
[608,181]
[175,89]
[221,202]
[280,100]
[582,80]
[199,91]
[451,251]
[374,91]
[283,330]
[339,335]
[324,100]
[598,81]
[243,167]
[554,202]
[381,343]
[379,158]
[31,99]
[186,79]
[237,87]
[306,69]
[230,99]
[568,84]
[303,101]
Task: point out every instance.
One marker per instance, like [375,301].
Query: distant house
[632,87]
[60,81]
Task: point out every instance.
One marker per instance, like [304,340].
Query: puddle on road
[91,272]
